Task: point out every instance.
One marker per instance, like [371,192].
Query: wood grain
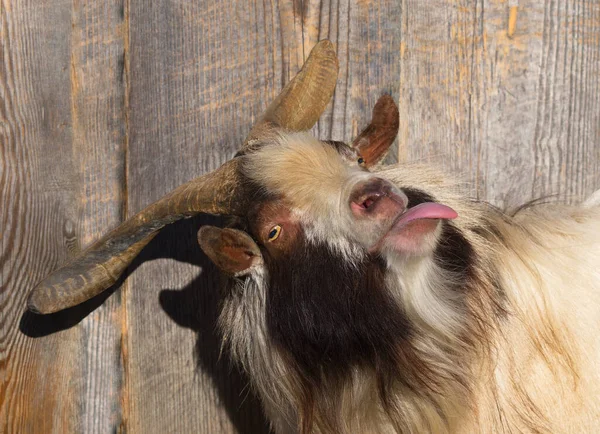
[196,87]
[61,185]
[105,106]
[517,116]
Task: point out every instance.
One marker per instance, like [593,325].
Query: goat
[365,299]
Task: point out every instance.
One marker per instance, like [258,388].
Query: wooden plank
[62,143]
[199,74]
[567,129]
[367,39]
[518,116]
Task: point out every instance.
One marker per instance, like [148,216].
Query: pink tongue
[427,210]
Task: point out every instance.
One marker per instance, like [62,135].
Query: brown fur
[494,331]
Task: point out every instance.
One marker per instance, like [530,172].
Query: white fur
[532,365]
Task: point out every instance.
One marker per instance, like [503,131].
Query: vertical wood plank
[507,112]
[61,186]
[98,38]
[200,73]
[442,82]
[567,129]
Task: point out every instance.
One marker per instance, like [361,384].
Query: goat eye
[274,233]
[361,161]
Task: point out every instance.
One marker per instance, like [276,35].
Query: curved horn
[302,101]
[297,107]
[100,265]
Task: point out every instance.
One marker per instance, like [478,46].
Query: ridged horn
[297,107]
[302,101]
[100,265]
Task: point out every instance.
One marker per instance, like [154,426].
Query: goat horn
[303,100]
[100,265]
[297,107]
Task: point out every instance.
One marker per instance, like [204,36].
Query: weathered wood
[170,89]
[518,116]
[195,87]
[61,186]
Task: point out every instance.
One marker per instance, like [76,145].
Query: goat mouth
[423,211]
[427,210]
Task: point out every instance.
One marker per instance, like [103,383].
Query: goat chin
[533,362]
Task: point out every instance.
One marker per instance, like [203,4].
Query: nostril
[375,199]
[370,200]
[367,203]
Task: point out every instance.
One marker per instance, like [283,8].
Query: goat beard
[337,327]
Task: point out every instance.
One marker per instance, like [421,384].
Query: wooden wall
[106,105]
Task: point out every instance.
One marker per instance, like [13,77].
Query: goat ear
[233,251]
[375,140]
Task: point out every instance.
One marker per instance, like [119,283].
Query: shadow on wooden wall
[195,307]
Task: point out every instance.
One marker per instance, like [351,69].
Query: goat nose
[376,199]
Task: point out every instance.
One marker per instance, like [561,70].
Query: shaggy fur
[493,330]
